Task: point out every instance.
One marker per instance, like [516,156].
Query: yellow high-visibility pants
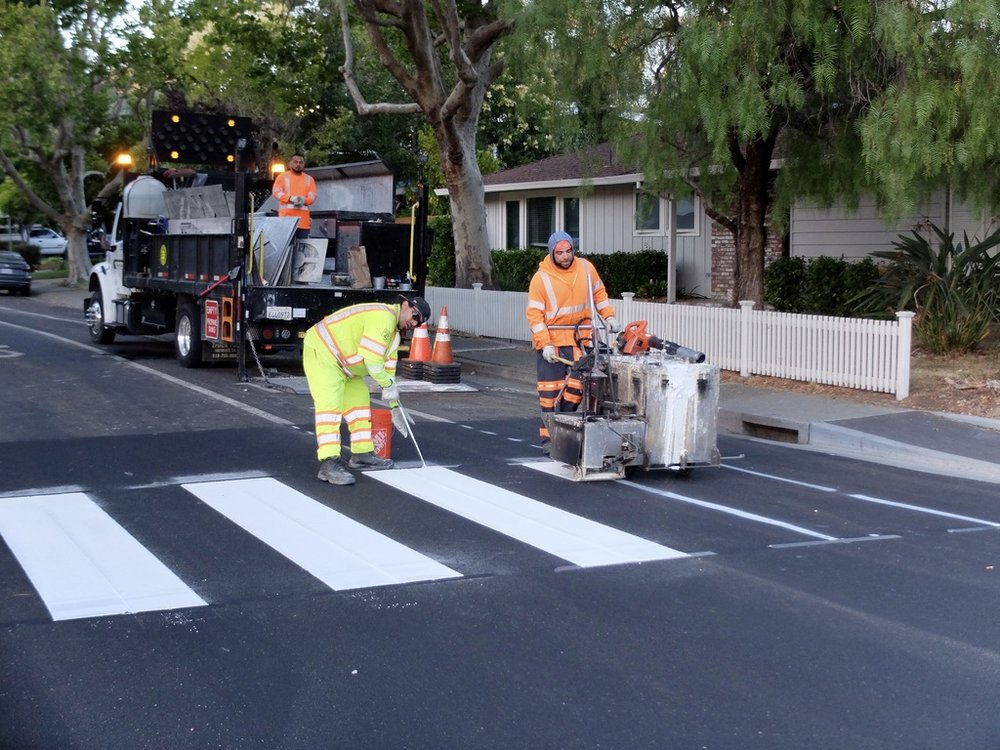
[337,399]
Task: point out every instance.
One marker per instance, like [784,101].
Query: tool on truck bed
[647,404]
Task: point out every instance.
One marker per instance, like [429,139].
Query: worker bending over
[559,299]
[337,354]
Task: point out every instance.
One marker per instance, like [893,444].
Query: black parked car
[15,273]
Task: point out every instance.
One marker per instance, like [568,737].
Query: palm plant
[954,289]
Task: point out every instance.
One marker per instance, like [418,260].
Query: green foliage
[954,288]
[513,269]
[441,264]
[652,290]
[620,271]
[628,272]
[784,280]
[819,286]
[31,253]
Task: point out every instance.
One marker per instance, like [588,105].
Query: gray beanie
[558,237]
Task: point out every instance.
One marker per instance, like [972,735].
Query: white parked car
[48,241]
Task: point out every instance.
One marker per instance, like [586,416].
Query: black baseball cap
[420,305]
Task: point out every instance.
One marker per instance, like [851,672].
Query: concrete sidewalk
[946,444]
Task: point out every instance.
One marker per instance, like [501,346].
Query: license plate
[278,313]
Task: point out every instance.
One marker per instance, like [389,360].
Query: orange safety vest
[561,297]
[289,184]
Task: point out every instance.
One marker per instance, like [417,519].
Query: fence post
[477,286]
[904,338]
[746,310]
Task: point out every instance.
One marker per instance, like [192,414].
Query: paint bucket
[382,432]
[379,282]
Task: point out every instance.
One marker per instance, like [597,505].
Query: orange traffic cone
[420,345]
[442,341]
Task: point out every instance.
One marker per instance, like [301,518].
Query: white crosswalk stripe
[82,563]
[340,552]
[579,540]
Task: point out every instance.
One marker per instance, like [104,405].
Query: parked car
[48,241]
[15,273]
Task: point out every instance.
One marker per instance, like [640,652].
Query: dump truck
[203,255]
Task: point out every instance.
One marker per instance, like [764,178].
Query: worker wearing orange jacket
[295,191]
[559,300]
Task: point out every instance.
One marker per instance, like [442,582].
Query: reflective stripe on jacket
[559,297]
[363,339]
[289,184]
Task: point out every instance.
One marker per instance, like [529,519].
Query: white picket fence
[860,353]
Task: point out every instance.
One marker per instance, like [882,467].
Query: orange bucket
[382,432]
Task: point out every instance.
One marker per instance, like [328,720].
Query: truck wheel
[99,333]
[188,339]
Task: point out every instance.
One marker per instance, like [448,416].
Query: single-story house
[601,202]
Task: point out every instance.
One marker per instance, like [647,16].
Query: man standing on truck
[337,353]
[559,314]
[295,191]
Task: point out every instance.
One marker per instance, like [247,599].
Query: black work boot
[331,471]
[369,462]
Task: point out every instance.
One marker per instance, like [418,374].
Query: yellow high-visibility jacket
[558,297]
[289,184]
[363,339]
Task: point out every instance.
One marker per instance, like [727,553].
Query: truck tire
[187,341]
[99,333]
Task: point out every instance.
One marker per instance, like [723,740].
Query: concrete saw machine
[647,404]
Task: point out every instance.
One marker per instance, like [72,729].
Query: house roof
[595,165]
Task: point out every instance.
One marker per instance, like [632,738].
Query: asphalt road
[173,575]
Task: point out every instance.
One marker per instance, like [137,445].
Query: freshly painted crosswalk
[337,550]
[571,537]
[84,564]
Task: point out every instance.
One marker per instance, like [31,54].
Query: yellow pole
[413,231]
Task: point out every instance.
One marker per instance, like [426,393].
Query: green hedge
[820,286]
[441,263]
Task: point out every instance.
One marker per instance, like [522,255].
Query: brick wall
[724,260]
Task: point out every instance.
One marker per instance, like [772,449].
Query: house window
[647,213]
[513,225]
[541,221]
[571,219]
[652,214]
[687,216]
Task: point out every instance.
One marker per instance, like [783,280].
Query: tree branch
[347,69]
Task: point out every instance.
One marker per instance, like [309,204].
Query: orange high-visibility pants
[553,378]
[337,399]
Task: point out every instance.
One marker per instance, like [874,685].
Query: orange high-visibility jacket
[558,297]
[289,184]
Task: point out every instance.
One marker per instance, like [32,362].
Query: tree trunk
[465,189]
[751,220]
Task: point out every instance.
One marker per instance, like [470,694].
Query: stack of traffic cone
[420,353]
[442,368]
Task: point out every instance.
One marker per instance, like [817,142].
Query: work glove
[298,201]
[613,325]
[549,354]
[399,420]
[391,393]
